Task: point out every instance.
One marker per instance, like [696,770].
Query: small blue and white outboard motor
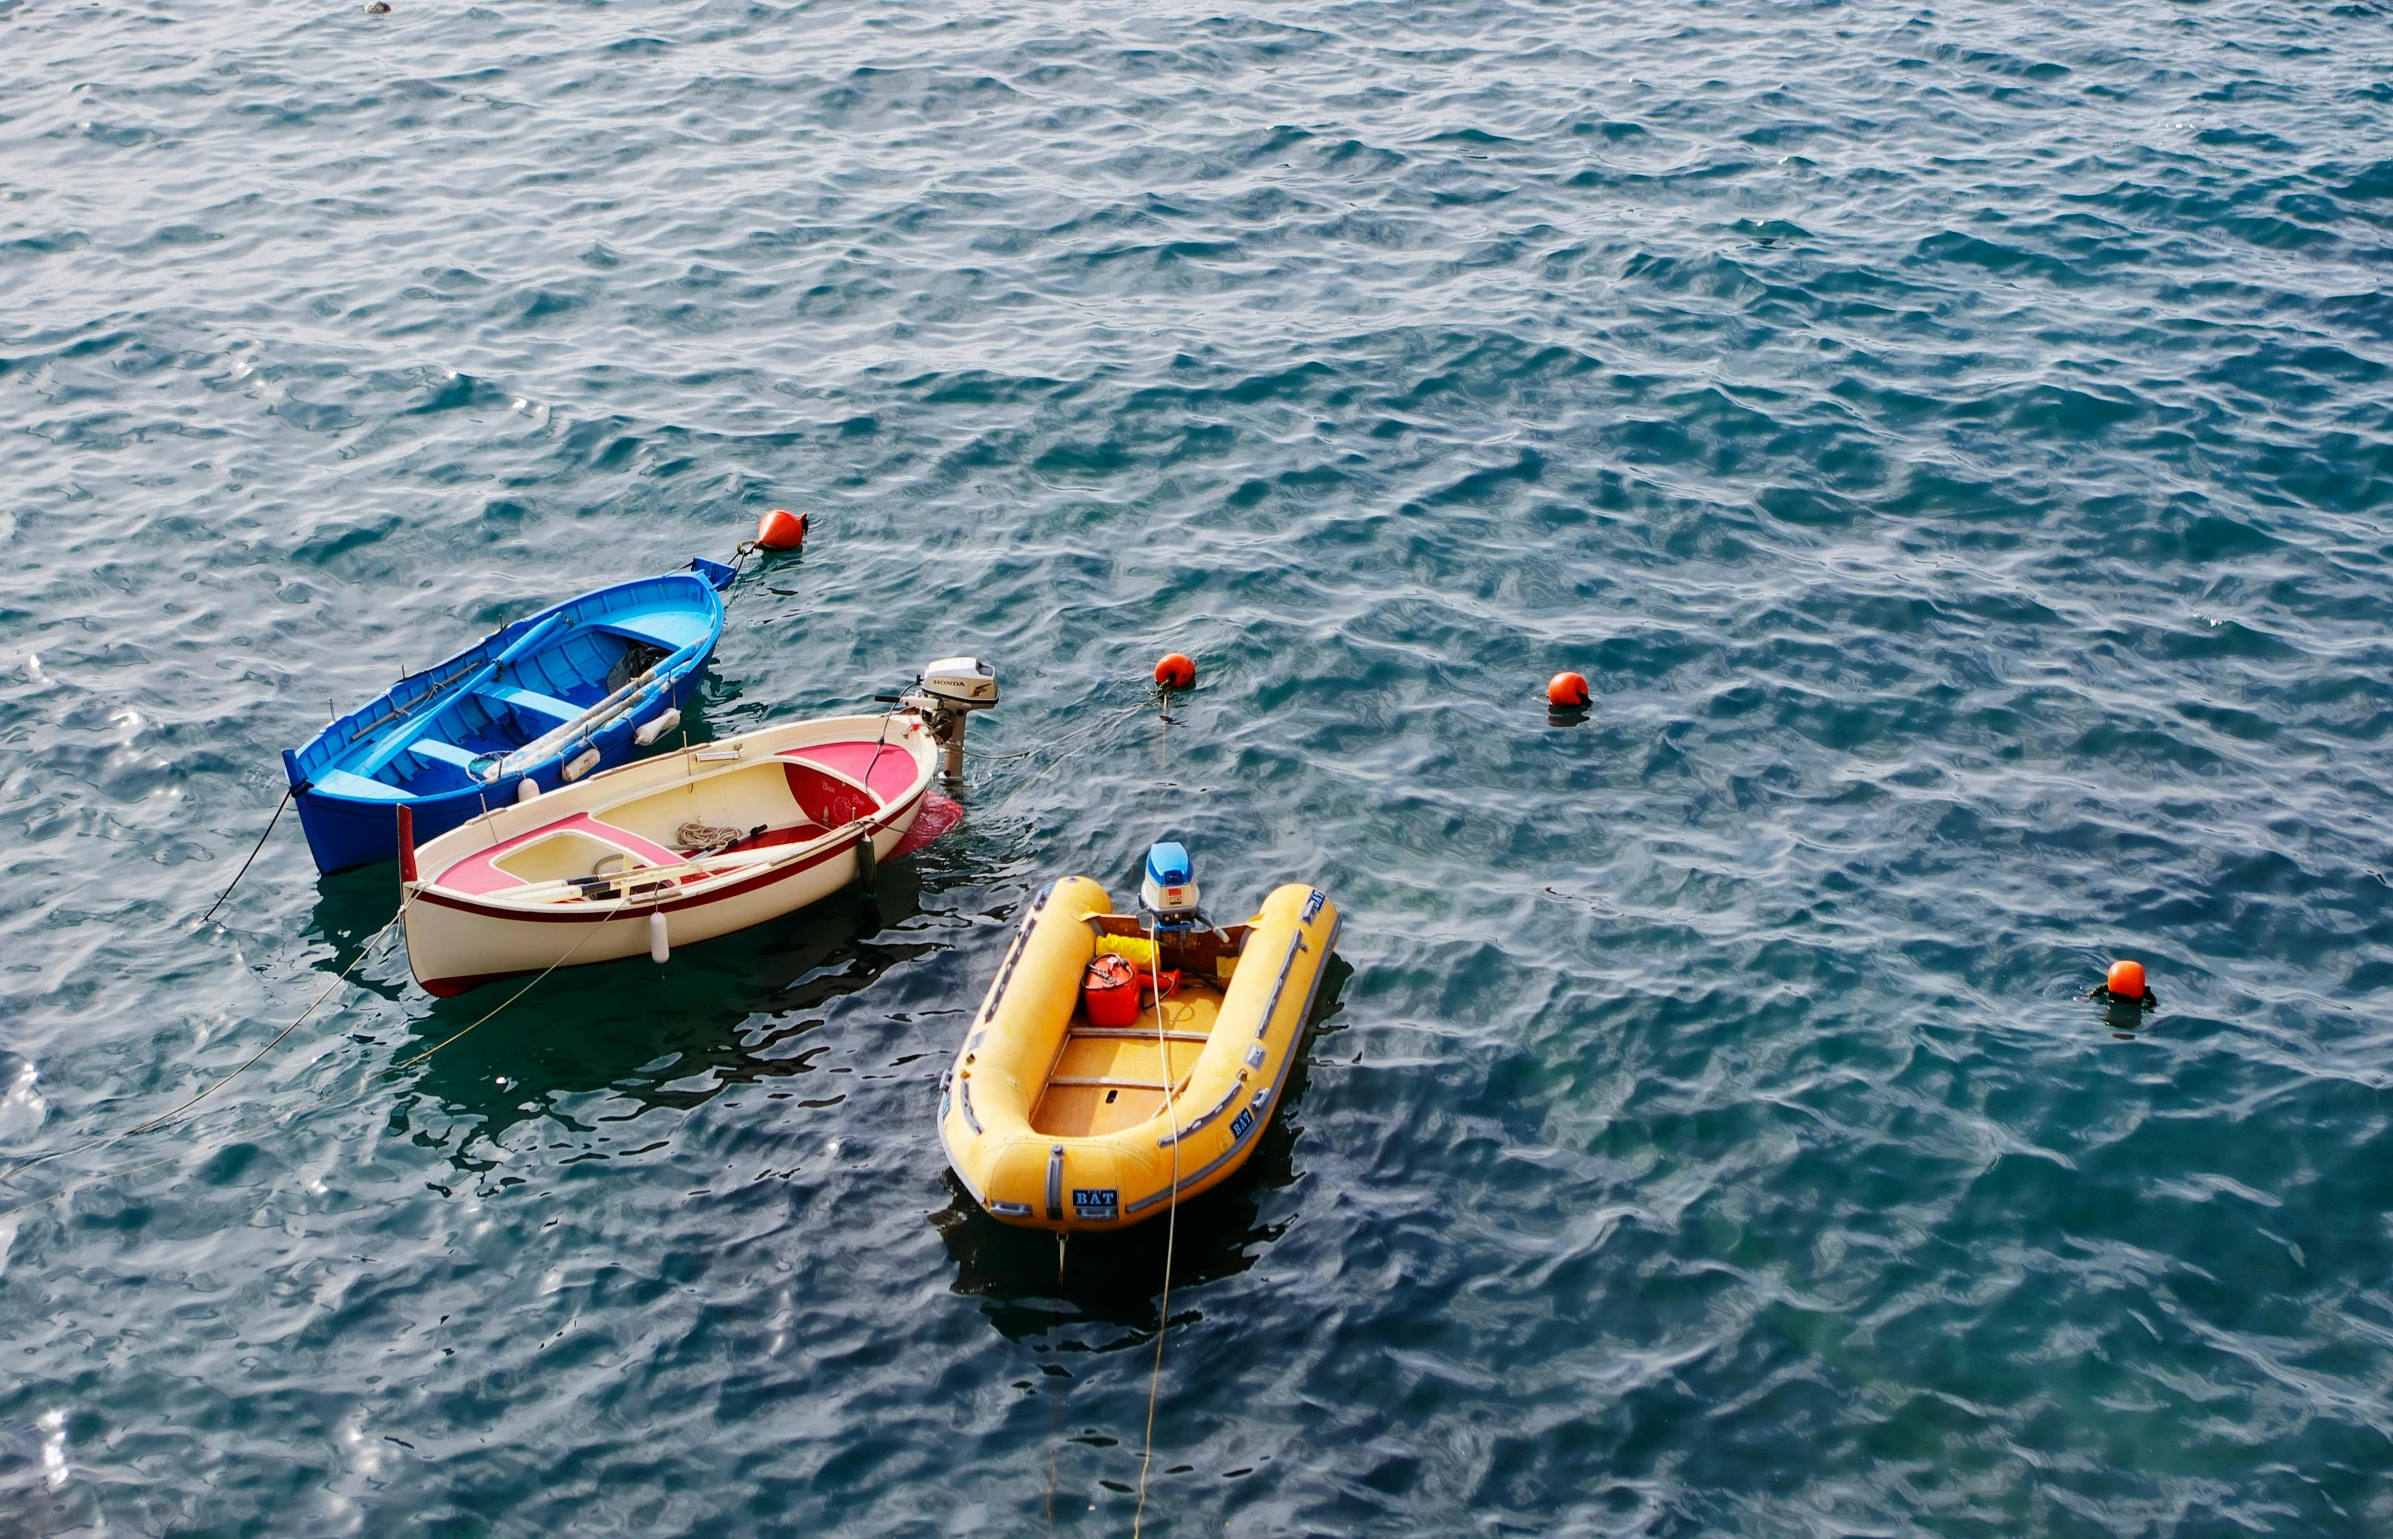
[1169,891]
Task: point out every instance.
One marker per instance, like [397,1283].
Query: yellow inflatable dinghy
[1055,1122]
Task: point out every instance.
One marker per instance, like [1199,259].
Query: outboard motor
[945,693]
[1169,889]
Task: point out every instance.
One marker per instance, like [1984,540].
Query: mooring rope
[409,1063]
[1171,1231]
[1050,767]
[1048,747]
[1055,1413]
[739,564]
[362,952]
[174,1112]
[322,1097]
[288,792]
[171,1114]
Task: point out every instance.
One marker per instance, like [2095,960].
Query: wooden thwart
[1106,1078]
[1112,1084]
[1133,1034]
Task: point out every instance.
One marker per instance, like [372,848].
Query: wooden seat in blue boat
[446,753]
[339,782]
[669,626]
[531,700]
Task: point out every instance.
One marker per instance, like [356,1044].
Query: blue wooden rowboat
[547,699]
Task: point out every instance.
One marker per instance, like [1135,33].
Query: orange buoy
[781,530]
[1176,671]
[1568,692]
[2127,980]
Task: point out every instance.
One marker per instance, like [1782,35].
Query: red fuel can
[1109,990]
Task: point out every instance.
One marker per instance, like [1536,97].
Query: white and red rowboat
[668,851]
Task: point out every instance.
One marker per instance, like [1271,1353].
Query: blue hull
[431,743]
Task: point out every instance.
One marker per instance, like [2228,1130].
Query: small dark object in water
[379,8]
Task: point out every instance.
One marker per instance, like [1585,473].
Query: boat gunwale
[1264,1098]
[324,750]
[1240,1083]
[800,858]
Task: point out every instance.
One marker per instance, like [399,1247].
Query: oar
[391,747]
[557,739]
[738,860]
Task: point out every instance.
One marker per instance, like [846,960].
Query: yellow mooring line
[1171,1231]
[405,1063]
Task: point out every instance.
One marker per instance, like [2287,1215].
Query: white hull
[577,875]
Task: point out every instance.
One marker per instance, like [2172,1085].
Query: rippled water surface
[1955,441]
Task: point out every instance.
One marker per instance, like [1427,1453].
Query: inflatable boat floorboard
[1106,1080]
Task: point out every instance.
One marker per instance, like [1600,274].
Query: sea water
[1953,442]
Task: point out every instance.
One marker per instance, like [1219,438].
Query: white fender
[656,727]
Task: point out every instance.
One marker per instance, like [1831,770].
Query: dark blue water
[1956,442]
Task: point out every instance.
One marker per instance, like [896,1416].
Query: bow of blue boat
[578,679]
